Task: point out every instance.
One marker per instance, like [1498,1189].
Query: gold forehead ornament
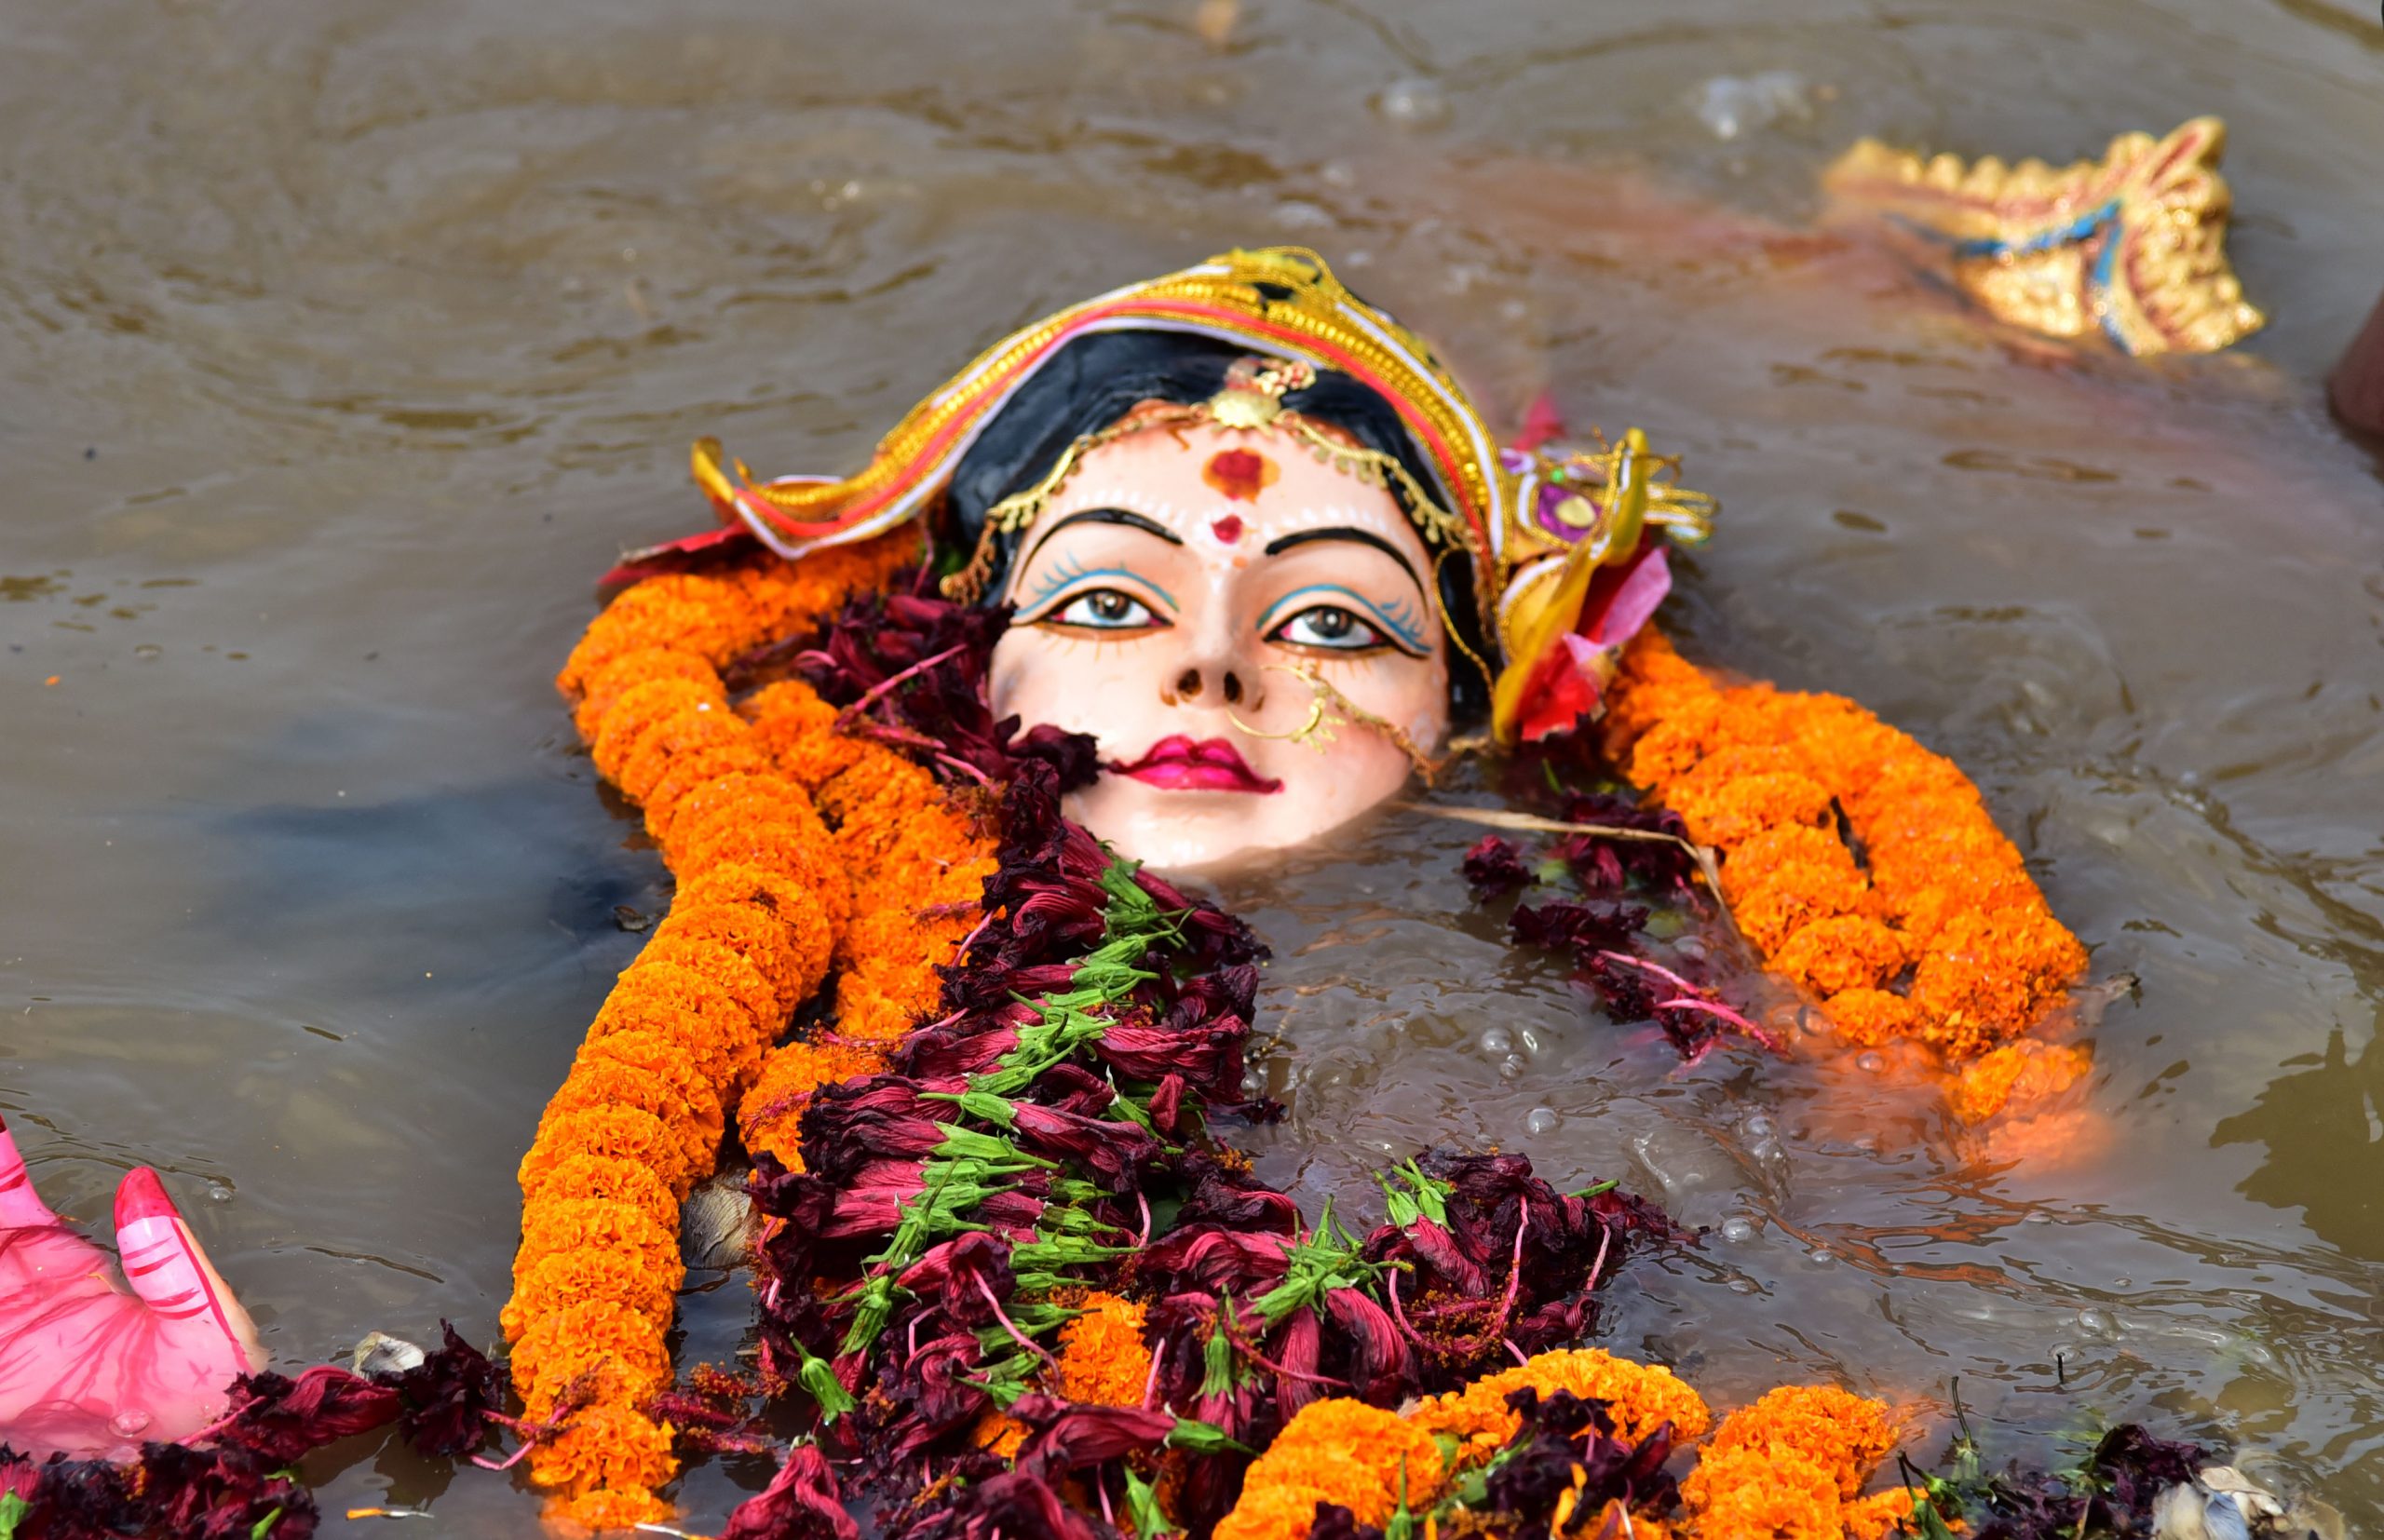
[1250,401]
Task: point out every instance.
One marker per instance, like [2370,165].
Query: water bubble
[130,1421]
[2098,1323]
[2036,1219]
[1496,1040]
[1872,1061]
[1299,215]
[1812,1023]
[1254,1083]
[1764,1151]
[1867,1142]
[1541,1120]
[1737,1229]
[1756,1126]
[1731,105]
[148,650]
[1416,103]
[1822,1256]
[1513,1065]
[1743,1286]
[218,1193]
[1529,1040]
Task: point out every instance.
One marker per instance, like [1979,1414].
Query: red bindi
[1228,529]
[1241,474]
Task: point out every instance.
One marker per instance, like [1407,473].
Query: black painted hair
[1097,378]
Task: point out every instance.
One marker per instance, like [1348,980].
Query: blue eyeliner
[1059,579]
[1400,622]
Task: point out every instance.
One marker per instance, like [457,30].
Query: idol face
[1169,599]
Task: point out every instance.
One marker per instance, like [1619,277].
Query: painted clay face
[1165,596]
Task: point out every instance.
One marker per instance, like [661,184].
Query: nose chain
[1328,710]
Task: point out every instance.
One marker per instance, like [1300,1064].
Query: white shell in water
[716,1222]
[381,1354]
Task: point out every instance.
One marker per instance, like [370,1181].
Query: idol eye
[1104,610]
[1330,626]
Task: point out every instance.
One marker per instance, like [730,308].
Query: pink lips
[1179,764]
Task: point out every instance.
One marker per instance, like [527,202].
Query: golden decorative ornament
[2133,245]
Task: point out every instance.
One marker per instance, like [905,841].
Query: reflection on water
[343,350]
[2323,1130]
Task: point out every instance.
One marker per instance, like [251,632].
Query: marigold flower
[751,796]
[599,1343]
[768,1118]
[791,848]
[1761,1494]
[723,966]
[600,1082]
[681,736]
[720,1036]
[1882,1514]
[606,1446]
[572,1224]
[796,729]
[1641,1397]
[564,1279]
[754,935]
[1841,1433]
[1103,1359]
[1845,953]
[581,1175]
[737,777]
[1798,875]
[811,937]
[605,684]
[2026,1069]
[1732,811]
[870,802]
[644,708]
[1335,1451]
[622,1133]
[696,770]
[1866,1017]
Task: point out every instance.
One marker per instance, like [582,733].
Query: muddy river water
[341,345]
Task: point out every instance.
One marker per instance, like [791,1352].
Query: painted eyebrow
[1344,532]
[1117,516]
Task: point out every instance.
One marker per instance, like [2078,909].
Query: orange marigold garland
[917,871]
[1939,894]
[764,899]
[1791,1466]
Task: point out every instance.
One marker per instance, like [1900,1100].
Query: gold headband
[1251,401]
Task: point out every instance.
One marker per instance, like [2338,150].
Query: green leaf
[818,1377]
[1416,1195]
[264,1526]
[992,1109]
[12,1513]
[1142,1507]
[1204,1439]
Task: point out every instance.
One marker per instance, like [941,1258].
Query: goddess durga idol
[1231,508]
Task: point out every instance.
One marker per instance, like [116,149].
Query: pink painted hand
[89,1367]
